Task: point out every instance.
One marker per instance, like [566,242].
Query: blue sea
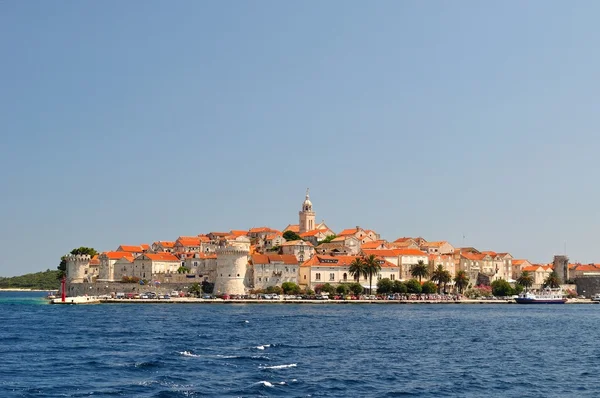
[298,350]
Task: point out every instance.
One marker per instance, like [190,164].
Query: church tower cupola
[307,215]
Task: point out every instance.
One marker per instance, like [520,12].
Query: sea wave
[262,347]
[188,354]
[291,365]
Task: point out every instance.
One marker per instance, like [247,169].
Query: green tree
[525,280]
[356,288]
[291,235]
[357,269]
[413,286]
[208,287]
[441,277]
[342,289]
[274,289]
[501,288]
[372,267]
[290,288]
[62,266]
[518,289]
[183,270]
[429,287]
[328,239]
[419,270]
[327,288]
[385,286]
[195,289]
[399,287]
[552,280]
[461,281]
[274,248]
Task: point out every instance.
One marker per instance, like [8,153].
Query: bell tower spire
[307,215]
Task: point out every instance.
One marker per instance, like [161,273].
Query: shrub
[429,287]
[385,286]
[130,279]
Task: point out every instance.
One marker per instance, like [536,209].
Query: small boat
[596,298]
[548,296]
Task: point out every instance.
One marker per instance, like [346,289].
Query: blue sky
[130,122]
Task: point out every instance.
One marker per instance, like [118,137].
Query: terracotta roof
[435,244]
[312,232]
[394,252]
[263,229]
[293,227]
[145,246]
[131,249]
[587,267]
[161,257]
[533,268]
[296,242]
[270,258]
[203,238]
[95,260]
[473,256]
[272,236]
[188,241]
[349,231]
[339,261]
[167,244]
[403,239]
[340,238]
[518,262]
[117,255]
[238,232]
[374,244]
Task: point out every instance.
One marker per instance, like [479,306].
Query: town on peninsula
[310,257]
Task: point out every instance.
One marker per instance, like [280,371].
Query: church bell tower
[307,215]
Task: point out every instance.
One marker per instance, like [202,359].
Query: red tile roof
[238,232]
[349,231]
[289,259]
[161,257]
[189,241]
[166,244]
[117,255]
[374,244]
[131,249]
[394,252]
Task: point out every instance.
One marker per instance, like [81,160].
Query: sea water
[296,350]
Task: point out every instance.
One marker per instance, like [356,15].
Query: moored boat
[596,298]
[547,296]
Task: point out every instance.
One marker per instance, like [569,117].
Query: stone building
[232,276]
[273,269]
[306,215]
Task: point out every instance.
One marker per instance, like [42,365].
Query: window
[392,277]
[304,277]
[331,276]
[318,276]
[345,276]
[260,279]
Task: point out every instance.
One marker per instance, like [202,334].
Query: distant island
[45,280]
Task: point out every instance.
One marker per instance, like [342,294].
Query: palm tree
[461,280]
[525,280]
[419,270]
[552,280]
[440,276]
[358,268]
[372,267]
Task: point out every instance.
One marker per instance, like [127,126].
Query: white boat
[596,298]
[77,300]
[547,296]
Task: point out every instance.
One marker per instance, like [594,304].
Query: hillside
[45,280]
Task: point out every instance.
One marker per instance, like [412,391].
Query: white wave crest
[265,383]
[291,365]
[188,354]
[262,347]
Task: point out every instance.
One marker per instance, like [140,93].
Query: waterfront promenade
[190,300]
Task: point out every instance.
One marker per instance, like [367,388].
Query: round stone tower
[232,264]
[77,264]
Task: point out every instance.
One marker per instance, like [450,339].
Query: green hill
[45,280]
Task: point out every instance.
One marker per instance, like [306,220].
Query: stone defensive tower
[561,267]
[232,265]
[77,264]
[307,215]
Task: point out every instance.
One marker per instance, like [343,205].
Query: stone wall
[100,288]
[588,286]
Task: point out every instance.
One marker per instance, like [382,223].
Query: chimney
[357,228]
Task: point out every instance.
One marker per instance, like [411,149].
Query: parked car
[207,297]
